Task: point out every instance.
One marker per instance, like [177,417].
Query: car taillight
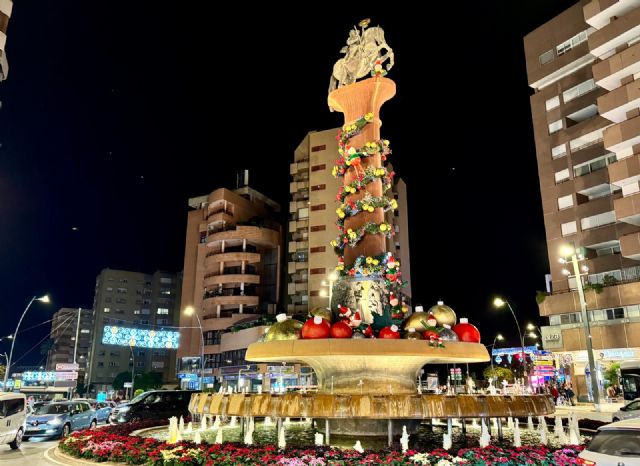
[585,462]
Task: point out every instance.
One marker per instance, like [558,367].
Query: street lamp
[571,253]
[133,366]
[6,337]
[493,345]
[42,299]
[247,367]
[499,302]
[190,311]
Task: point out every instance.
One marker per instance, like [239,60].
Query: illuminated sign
[505,351]
[142,338]
[39,376]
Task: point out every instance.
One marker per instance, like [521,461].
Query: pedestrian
[570,394]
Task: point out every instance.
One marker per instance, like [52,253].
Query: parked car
[156,404]
[103,411]
[60,419]
[615,444]
[629,411]
[13,413]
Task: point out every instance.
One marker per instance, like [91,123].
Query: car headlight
[56,421]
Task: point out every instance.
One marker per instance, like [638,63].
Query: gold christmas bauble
[417,320]
[286,330]
[323,312]
[443,314]
[413,335]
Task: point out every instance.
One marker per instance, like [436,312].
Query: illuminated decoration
[143,338]
[39,376]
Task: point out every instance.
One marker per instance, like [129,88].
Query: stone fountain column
[356,100]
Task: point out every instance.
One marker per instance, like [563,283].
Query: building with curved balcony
[6,6]
[231,273]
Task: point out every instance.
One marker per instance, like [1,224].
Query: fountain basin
[354,366]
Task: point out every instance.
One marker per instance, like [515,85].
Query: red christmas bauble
[467,332]
[316,327]
[341,329]
[390,332]
[427,334]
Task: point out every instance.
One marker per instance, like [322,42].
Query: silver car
[629,411]
[615,444]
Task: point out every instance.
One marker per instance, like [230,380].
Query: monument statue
[361,53]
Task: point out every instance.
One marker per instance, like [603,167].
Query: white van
[13,417]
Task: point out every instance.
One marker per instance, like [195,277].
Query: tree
[138,391]
[148,381]
[121,378]
[81,389]
[612,374]
[2,369]
[498,372]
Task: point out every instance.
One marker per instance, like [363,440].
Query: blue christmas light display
[143,338]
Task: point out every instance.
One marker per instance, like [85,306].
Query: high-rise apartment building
[583,66]
[232,269]
[64,328]
[312,216]
[130,300]
[6,6]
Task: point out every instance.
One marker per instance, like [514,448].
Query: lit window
[569,228]
[163,310]
[565,202]
[85,330]
[107,310]
[559,151]
[578,90]
[553,102]
[555,126]
[562,175]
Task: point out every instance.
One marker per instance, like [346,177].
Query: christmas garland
[352,237]
[367,204]
[384,266]
[363,179]
[351,157]
[353,129]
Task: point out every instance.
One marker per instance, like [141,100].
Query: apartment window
[107,299]
[314,293]
[318,249]
[553,102]
[567,45]
[122,290]
[318,148]
[617,313]
[317,207]
[136,311]
[318,271]
[554,320]
[562,175]
[565,202]
[630,189]
[318,228]
[586,140]
[146,311]
[124,280]
[100,364]
[157,364]
[555,126]
[546,57]
[166,280]
[316,168]
[576,91]
[303,213]
[109,289]
[85,330]
[119,311]
[121,301]
[608,251]
[144,322]
[107,310]
[163,310]
[162,321]
[101,353]
[319,187]
[114,364]
[569,228]
[633,311]
[139,363]
[593,165]
[598,220]
[559,151]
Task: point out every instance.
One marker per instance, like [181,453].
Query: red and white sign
[67,375]
[72,366]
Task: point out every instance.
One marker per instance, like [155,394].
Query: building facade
[582,66]
[64,327]
[131,300]
[312,214]
[232,268]
[6,6]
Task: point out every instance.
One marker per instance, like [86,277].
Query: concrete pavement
[31,453]
[587,411]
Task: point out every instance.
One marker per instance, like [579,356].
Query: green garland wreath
[352,237]
[370,174]
[353,129]
[351,157]
[367,204]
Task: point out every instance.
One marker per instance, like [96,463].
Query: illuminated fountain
[367,351]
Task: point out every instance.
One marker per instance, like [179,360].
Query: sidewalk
[587,411]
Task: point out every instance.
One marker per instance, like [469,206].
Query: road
[31,453]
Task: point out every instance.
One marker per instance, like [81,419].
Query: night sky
[115,113]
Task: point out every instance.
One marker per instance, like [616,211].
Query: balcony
[598,13]
[609,73]
[216,280]
[616,33]
[293,288]
[214,260]
[630,246]
[298,246]
[628,209]
[298,167]
[615,105]
[624,294]
[621,138]
[595,237]
[219,217]
[624,171]
[593,183]
[233,300]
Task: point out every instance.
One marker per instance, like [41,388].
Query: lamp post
[247,367]
[332,279]
[42,299]
[572,255]
[190,311]
[493,345]
[499,302]
[133,367]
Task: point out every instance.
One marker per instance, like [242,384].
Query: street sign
[127,385]
[65,383]
[72,366]
[67,375]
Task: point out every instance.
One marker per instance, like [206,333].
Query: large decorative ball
[444,314]
[323,312]
[447,334]
[413,335]
[286,330]
[417,320]
[390,332]
[316,327]
[341,329]
[467,332]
